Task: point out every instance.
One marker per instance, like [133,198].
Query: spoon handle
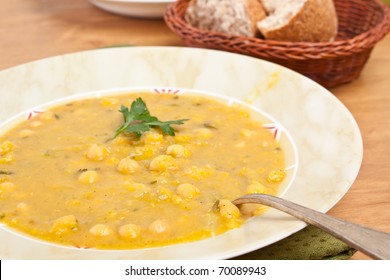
[371,242]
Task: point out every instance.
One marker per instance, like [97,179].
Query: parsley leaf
[138,120]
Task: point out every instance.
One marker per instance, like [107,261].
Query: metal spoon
[371,242]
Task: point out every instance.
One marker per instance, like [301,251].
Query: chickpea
[6,147]
[89,177]
[47,116]
[140,190]
[162,163]
[6,187]
[74,202]
[144,152]
[177,151]
[35,124]
[134,186]
[101,230]
[250,210]
[182,138]
[22,207]
[187,190]
[113,161]
[205,132]
[112,214]
[228,210]
[7,158]
[129,231]
[240,145]
[128,166]
[26,133]
[199,173]
[256,187]
[96,152]
[161,193]
[159,227]
[247,133]
[276,176]
[109,101]
[118,141]
[265,144]
[153,138]
[64,224]
[176,199]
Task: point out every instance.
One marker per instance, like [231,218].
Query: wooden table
[31,30]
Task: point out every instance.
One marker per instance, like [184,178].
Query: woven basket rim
[360,42]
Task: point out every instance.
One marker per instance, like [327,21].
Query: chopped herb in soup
[93,174]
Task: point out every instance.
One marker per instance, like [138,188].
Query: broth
[64,179]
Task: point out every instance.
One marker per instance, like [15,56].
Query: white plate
[135,8]
[328,139]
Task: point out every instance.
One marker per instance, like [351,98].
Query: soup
[69,176]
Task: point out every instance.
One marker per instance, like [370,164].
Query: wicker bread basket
[362,23]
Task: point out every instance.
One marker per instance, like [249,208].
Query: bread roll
[299,20]
[233,17]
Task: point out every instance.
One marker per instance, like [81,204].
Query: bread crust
[316,21]
[256,13]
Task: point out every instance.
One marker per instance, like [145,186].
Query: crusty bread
[233,17]
[299,20]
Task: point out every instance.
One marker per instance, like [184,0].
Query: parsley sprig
[137,120]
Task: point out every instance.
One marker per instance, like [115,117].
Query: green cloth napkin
[310,243]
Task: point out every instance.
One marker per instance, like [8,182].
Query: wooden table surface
[31,30]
